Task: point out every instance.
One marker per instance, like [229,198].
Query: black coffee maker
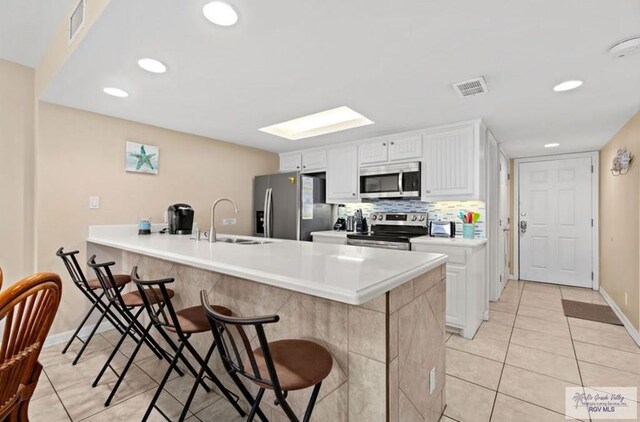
[180,218]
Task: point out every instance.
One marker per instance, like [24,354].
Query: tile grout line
[56,393]
[495,399]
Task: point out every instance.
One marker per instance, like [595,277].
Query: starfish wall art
[141,158]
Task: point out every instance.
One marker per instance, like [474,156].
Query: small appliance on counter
[442,229]
[341,222]
[180,217]
[144,226]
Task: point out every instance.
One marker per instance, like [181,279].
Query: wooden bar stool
[27,310]
[183,323]
[129,306]
[90,288]
[281,366]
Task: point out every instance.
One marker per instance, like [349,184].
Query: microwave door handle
[400,177]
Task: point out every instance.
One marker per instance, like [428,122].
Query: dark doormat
[590,311]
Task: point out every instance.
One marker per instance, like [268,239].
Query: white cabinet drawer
[457,255]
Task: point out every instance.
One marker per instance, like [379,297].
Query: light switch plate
[94,202]
[228,221]
[432,380]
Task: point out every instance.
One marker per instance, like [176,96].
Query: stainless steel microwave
[390,181]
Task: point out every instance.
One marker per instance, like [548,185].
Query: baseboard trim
[633,332]
[58,338]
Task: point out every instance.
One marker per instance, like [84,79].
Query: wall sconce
[621,162]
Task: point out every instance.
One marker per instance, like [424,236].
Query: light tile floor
[515,369]
[64,391]
[517,366]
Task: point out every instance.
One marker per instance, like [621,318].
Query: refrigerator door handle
[265,216]
[268,211]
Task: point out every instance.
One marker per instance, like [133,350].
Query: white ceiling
[393,61]
[26,26]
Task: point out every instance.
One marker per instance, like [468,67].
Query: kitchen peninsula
[381,313]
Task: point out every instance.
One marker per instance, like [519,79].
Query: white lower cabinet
[456,293]
[466,295]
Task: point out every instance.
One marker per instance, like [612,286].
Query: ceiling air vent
[76,21]
[470,87]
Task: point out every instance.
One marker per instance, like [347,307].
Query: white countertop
[348,274]
[444,241]
[449,241]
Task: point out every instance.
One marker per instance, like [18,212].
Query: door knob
[523,226]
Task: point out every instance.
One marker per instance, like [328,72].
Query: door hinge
[508,176]
[591,168]
[592,222]
[591,275]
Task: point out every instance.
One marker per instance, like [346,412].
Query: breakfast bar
[380,313]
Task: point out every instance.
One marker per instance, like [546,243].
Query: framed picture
[141,158]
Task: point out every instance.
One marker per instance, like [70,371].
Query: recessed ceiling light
[329,121]
[551,145]
[152,65]
[116,92]
[220,13]
[567,86]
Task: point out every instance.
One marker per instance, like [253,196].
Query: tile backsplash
[446,210]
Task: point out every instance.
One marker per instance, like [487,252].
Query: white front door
[555,221]
[503,229]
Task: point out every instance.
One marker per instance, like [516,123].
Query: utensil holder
[468,230]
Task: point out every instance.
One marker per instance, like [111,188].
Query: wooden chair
[28,308]
[280,366]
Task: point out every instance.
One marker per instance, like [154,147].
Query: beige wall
[16,169]
[620,223]
[81,154]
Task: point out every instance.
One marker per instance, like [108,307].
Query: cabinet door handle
[427,191]
[384,144]
[392,143]
[353,194]
[297,167]
[304,167]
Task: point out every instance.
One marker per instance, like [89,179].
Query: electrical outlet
[228,221]
[94,202]
[432,380]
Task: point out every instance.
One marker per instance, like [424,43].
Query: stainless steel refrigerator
[290,206]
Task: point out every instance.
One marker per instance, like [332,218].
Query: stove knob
[422,218]
[374,217]
[380,217]
[414,218]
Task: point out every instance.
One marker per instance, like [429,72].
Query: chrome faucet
[212,229]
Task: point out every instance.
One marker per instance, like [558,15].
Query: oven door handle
[400,177]
[378,244]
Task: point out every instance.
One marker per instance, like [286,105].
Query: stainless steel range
[391,230]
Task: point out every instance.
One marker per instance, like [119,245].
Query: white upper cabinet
[391,149]
[290,162]
[373,152]
[451,166]
[314,160]
[342,174]
[406,148]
